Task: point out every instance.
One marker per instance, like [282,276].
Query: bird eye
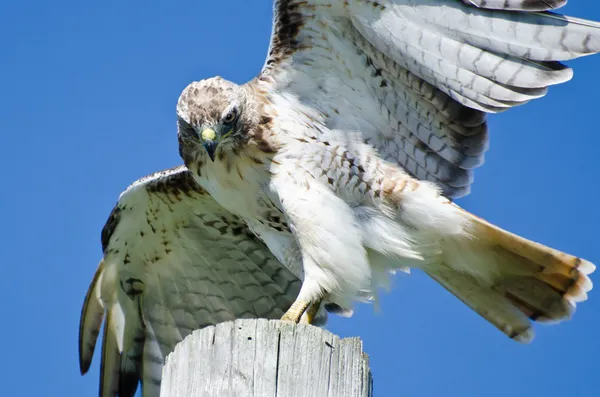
[230,117]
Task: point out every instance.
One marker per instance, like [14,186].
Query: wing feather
[111,357]
[417,77]
[519,5]
[92,316]
[174,261]
[130,368]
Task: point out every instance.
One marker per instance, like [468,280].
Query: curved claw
[311,312]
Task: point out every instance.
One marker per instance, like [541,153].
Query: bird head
[209,114]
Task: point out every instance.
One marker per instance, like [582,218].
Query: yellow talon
[311,312]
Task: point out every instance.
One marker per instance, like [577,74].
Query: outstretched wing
[417,77]
[174,261]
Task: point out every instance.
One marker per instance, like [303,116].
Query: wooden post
[266,358]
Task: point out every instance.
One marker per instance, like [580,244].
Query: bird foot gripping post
[260,358]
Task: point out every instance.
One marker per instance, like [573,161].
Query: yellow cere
[209,134]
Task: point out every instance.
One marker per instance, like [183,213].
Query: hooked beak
[208,136]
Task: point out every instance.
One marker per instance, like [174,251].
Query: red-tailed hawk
[336,166]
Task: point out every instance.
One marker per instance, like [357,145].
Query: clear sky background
[87,105]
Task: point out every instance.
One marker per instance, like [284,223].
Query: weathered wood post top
[266,358]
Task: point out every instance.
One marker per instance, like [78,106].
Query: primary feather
[518,5]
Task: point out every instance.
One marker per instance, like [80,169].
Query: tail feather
[535,256]
[540,301]
[510,280]
[487,302]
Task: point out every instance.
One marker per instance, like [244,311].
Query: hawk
[306,188]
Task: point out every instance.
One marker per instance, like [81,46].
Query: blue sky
[88,105]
